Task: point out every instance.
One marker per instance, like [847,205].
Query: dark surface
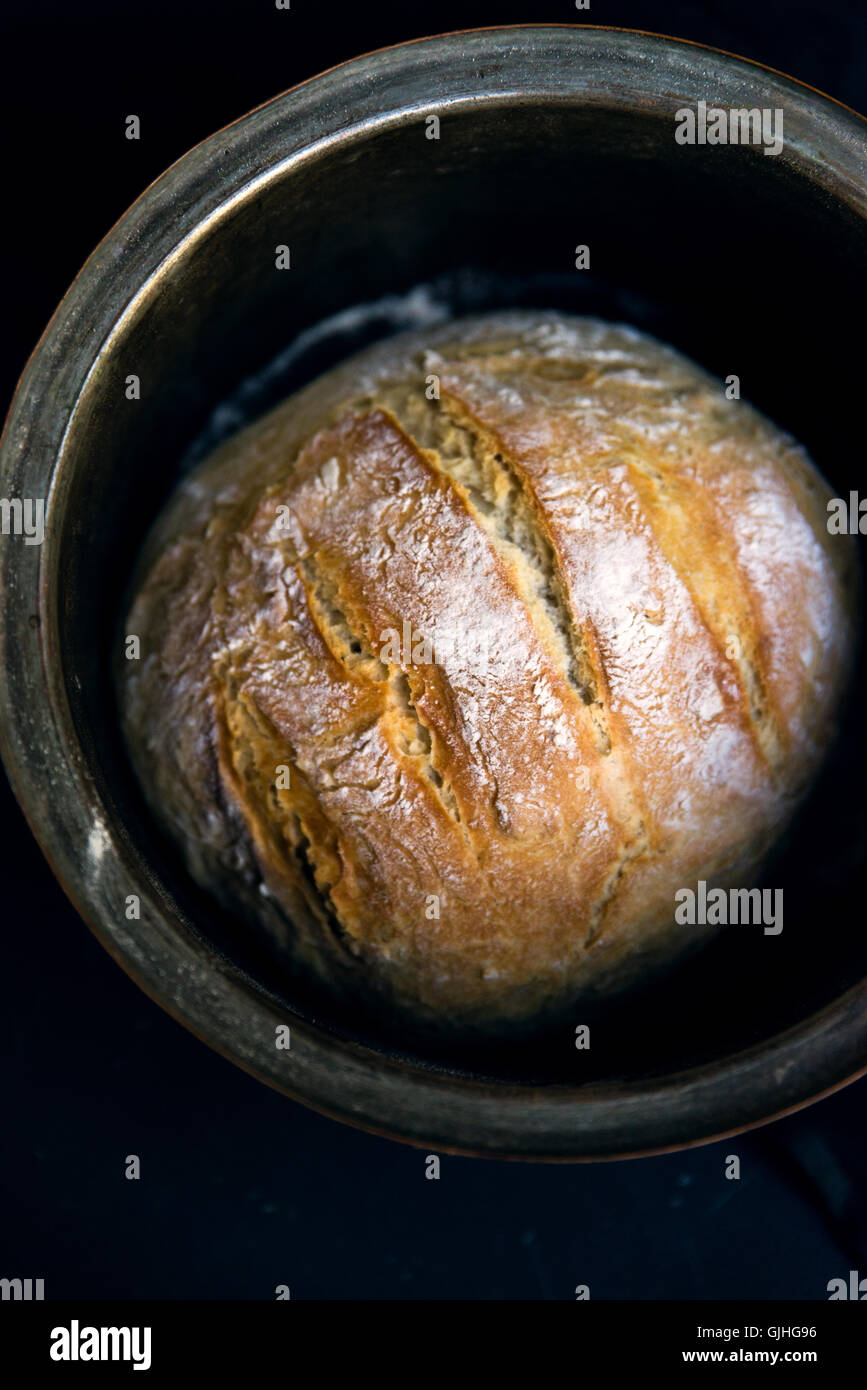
[240,1189]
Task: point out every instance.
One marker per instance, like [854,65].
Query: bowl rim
[47,767]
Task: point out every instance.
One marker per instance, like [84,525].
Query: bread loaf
[457,665]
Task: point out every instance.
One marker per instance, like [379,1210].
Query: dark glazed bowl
[550,137]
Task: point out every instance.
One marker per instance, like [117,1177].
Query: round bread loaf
[460,663]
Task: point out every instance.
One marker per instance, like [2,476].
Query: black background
[241,1189]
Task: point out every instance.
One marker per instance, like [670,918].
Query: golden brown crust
[533,655]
